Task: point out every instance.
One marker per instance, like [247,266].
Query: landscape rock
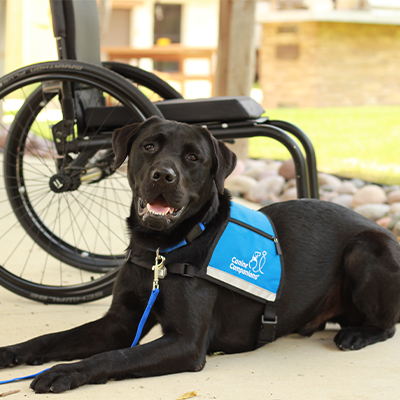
[396,229]
[395,209]
[262,182]
[289,184]
[240,183]
[268,172]
[347,187]
[239,169]
[393,222]
[266,189]
[328,182]
[358,183]
[271,169]
[289,194]
[287,170]
[255,171]
[384,221]
[393,196]
[327,195]
[373,211]
[255,164]
[390,188]
[369,194]
[344,200]
[254,168]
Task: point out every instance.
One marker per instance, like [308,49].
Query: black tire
[49,218]
[151,85]
[47,294]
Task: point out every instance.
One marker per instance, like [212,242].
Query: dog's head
[173,169]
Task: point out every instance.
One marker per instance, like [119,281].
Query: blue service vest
[246,256]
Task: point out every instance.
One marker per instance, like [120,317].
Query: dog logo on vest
[257,265]
[245,256]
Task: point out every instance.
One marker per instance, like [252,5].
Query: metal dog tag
[162,272]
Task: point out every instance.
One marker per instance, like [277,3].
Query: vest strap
[269,318]
[184,269]
[187,270]
[268,324]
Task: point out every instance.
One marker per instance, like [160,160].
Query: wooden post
[236,48]
[236,54]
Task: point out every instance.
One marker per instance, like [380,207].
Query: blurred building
[329,53]
[310,52]
[177,39]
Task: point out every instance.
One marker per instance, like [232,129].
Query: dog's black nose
[163,175]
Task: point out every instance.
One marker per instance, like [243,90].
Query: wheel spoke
[56,233]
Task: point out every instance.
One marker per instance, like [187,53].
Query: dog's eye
[149,147]
[192,157]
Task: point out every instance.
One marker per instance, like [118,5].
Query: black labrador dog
[339,266]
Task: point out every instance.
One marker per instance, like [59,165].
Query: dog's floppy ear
[123,138]
[225,162]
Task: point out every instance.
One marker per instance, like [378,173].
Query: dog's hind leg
[372,266]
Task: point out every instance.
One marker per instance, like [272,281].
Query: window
[167,24]
[287,51]
[288,29]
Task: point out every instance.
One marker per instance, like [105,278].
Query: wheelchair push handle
[58,18]
[76,29]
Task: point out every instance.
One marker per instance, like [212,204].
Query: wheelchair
[63,233]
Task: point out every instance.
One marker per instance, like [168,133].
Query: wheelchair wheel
[149,84]
[63,212]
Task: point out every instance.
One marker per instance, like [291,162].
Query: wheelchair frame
[76,29]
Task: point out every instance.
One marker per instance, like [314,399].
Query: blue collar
[193,234]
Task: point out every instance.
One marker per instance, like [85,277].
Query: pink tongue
[158,208]
[159,205]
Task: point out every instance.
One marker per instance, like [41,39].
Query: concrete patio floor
[292,368]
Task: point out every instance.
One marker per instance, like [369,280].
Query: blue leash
[23,377]
[158,269]
[146,313]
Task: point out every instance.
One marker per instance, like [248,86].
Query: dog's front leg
[186,319]
[114,331]
[163,356]
[107,333]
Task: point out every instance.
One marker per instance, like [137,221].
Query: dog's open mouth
[159,207]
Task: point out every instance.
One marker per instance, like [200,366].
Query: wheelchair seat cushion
[215,109]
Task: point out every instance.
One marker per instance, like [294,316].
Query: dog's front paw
[17,355]
[8,357]
[63,377]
